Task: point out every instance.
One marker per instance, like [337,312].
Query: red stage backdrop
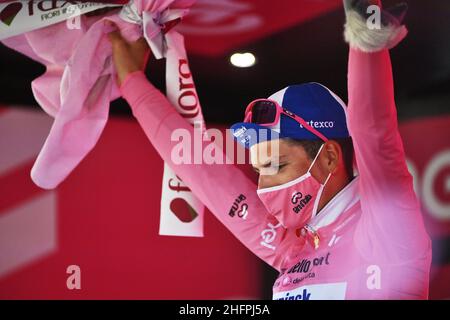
[104,218]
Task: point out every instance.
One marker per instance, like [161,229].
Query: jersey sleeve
[391,221]
[218,186]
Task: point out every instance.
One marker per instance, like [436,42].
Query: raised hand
[369,33]
[391,16]
[127,56]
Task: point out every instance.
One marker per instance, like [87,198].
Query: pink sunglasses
[266,112]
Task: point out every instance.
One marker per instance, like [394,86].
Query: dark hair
[312,147]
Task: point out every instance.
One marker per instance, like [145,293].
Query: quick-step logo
[328,291]
[305,265]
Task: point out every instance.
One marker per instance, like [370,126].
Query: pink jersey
[368,242]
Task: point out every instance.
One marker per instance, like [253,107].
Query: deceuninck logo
[8,13]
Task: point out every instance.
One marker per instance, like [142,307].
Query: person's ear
[332,154]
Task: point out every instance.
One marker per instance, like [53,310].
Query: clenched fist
[127,56]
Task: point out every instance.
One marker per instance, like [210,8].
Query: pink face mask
[295,202]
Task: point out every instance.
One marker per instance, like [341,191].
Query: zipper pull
[315,235]
[316,241]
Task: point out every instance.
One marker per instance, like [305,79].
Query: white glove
[361,32]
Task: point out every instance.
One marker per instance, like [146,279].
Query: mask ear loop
[326,180]
[319,195]
[317,155]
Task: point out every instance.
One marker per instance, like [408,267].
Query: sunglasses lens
[264,112]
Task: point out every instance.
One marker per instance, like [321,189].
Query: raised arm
[224,189]
[392,217]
